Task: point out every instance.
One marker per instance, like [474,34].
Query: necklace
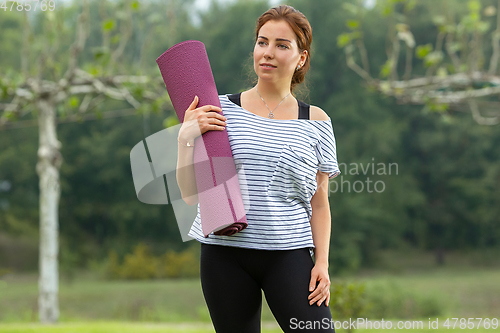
[271,114]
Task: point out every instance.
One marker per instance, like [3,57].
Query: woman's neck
[271,92]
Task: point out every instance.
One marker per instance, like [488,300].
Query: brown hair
[300,25]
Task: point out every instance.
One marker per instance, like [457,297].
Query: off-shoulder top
[276,161]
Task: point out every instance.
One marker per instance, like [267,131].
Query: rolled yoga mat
[186,70]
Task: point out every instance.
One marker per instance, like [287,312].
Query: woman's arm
[186,178]
[196,122]
[320,228]
[321,219]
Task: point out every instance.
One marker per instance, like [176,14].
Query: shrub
[184,264]
[140,264]
[113,266]
[4,271]
[391,301]
[348,300]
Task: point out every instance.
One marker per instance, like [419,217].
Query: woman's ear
[303,57]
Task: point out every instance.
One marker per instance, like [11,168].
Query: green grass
[460,294]
[91,305]
[111,327]
[88,298]
[466,286]
[124,327]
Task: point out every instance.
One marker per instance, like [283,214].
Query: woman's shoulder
[316,113]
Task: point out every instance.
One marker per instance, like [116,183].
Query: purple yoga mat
[186,70]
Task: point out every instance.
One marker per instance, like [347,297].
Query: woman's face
[277,47]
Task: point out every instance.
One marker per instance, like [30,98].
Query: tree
[457,73]
[44,86]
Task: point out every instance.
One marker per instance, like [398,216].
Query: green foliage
[135,5]
[348,300]
[102,57]
[74,101]
[390,300]
[113,269]
[387,7]
[353,24]
[108,25]
[69,261]
[177,265]
[347,38]
[171,121]
[351,8]
[423,50]
[10,39]
[386,68]
[343,39]
[4,271]
[472,22]
[474,6]
[141,264]
[431,106]
[433,58]
[18,254]
[439,20]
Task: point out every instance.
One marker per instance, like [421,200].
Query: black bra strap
[304,110]
[303,107]
[235,98]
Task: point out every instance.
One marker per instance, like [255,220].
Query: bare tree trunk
[47,168]
[46,95]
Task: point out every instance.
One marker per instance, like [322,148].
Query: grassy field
[91,305]
[115,328]
[123,327]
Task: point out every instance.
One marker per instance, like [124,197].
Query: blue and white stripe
[276,161]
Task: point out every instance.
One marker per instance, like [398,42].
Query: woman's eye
[261,43]
[284,46]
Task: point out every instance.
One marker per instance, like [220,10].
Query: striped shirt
[276,162]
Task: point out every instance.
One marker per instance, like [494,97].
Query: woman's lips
[267,66]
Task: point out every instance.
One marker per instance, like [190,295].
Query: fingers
[321,297]
[218,120]
[312,283]
[316,293]
[215,119]
[321,293]
[208,121]
[206,108]
[193,104]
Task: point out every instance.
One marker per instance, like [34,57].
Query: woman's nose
[268,53]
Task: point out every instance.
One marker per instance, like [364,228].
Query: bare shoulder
[317,113]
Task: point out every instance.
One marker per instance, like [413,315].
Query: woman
[284,150]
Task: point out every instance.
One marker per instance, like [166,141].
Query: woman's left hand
[321,292]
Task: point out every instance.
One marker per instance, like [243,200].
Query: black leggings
[232,279]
